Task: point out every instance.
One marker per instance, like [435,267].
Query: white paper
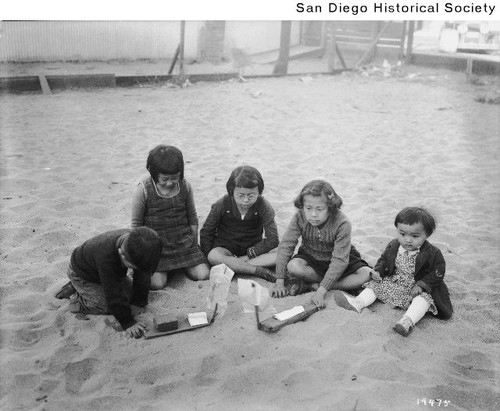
[285,315]
[252,295]
[220,281]
[197,318]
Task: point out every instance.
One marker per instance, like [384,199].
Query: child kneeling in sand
[240,230]
[98,275]
[164,201]
[326,259]
[409,274]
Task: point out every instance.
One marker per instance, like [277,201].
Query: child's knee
[216,256]
[158,281]
[295,268]
[198,273]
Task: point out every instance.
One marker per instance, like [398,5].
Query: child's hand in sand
[416,290]
[318,298]
[375,275]
[137,330]
[279,290]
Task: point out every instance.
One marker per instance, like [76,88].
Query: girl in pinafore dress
[164,201]
[408,275]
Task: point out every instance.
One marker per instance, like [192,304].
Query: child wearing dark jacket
[408,275]
[98,275]
[240,230]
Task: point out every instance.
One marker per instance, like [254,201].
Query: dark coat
[429,273]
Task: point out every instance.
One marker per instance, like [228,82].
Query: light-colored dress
[395,290]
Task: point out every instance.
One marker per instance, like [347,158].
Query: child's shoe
[266,274]
[347,301]
[66,291]
[404,326]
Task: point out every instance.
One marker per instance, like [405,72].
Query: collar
[160,194]
[401,250]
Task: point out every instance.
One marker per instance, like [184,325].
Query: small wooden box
[165,323]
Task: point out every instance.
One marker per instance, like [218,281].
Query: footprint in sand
[24,339]
[473,366]
[209,366]
[77,373]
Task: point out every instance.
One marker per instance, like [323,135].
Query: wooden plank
[184,325]
[176,56]
[272,324]
[372,45]
[341,58]
[44,84]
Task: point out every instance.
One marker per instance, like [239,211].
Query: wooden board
[183,326]
[44,84]
[272,324]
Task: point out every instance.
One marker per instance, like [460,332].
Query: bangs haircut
[318,188]
[245,177]
[165,160]
[144,248]
[415,215]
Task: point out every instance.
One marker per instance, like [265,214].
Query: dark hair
[245,176]
[165,160]
[415,215]
[144,249]
[318,188]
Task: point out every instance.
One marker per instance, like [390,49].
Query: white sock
[366,297]
[417,309]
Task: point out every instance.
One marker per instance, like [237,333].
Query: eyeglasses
[250,197]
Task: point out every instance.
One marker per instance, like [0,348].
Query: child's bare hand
[375,275]
[318,298]
[137,330]
[416,290]
[279,290]
[244,258]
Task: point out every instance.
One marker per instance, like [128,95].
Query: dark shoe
[66,291]
[266,274]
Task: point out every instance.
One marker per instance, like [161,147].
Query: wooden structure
[355,43]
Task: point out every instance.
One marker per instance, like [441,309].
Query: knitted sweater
[331,242]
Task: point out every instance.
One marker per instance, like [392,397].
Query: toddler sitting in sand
[240,230]
[164,201]
[326,259]
[98,275]
[409,274]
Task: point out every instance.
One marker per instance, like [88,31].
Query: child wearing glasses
[240,230]
[164,201]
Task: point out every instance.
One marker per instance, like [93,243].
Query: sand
[69,165]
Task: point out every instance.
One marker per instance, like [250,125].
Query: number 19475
[433,402]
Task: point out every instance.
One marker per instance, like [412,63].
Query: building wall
[94,40]
[258,37]
[31,41]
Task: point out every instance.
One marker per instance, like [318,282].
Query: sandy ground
[69,165]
